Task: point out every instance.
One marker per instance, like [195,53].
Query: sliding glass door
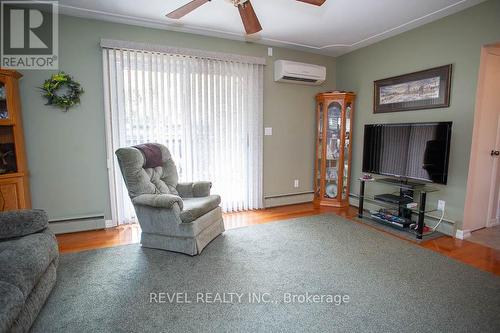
[207,112]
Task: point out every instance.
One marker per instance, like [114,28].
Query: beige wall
[66,151]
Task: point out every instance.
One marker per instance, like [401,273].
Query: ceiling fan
[248,16]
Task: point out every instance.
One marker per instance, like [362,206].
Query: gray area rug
[392,285]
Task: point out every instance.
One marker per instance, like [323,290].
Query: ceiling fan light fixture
[236,3]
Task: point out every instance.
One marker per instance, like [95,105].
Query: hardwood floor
[97,239]
[487,236]
[476,255]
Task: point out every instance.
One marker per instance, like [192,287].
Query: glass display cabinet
[14,187]
[334,115]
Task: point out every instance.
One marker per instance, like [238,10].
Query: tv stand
[405,205]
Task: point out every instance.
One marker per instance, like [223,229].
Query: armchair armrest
[194,189]
[158,200]
[22,223]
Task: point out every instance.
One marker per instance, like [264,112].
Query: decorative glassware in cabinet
[347,143]
[333,137]
[4,113]
[319,150]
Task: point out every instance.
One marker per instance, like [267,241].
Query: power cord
[414,225]
[440,220]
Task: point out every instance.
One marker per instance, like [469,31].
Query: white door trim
[478,201]
[493,202]
[109,147]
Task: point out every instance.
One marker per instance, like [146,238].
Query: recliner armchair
[180,217]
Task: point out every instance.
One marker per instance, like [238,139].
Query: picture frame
[427,89]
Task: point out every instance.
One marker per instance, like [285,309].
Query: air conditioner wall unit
[299,73]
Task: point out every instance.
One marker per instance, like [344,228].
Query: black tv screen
[410,151]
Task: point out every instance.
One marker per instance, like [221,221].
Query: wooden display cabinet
[332,167]
[14,186]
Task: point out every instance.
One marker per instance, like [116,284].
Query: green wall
[67,153]
[455,39]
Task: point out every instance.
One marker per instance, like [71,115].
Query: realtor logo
[29,32]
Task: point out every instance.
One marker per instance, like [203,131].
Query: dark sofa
[28,261]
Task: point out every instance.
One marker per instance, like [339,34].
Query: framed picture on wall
[425,89]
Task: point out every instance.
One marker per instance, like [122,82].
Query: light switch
[268,131]
[270,51]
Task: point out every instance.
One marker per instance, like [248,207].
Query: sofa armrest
[194,189]
[158,200]
[201,189]
[22,223]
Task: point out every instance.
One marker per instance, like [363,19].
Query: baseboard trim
[493,223]
[77,225]
[110,223]
[462,234]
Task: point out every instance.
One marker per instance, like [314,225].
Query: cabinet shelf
[7,122]
[12,175]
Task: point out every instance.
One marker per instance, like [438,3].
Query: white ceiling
[336,28]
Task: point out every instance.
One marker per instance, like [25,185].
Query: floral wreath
[56,82]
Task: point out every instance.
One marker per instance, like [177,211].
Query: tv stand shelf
[390,205]
[405,184]
[405,189]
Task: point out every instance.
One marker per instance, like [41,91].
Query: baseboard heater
[275,200]
[287,195]
[76,224]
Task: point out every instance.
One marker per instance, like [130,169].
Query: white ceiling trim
[401,26]
[325,50]
[119,18]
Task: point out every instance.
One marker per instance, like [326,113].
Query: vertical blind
[208,112]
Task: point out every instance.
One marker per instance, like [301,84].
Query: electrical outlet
[441,204]
[296,183]
[269,51]
[268,131]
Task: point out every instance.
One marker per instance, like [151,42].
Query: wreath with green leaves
[59,82]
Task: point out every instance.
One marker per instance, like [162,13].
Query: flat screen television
[417,151]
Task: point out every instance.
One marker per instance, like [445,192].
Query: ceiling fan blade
[314,2]
[249,18]
[186,9]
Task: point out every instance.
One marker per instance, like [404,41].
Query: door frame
[492,222]
[471,198]
[495,51]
